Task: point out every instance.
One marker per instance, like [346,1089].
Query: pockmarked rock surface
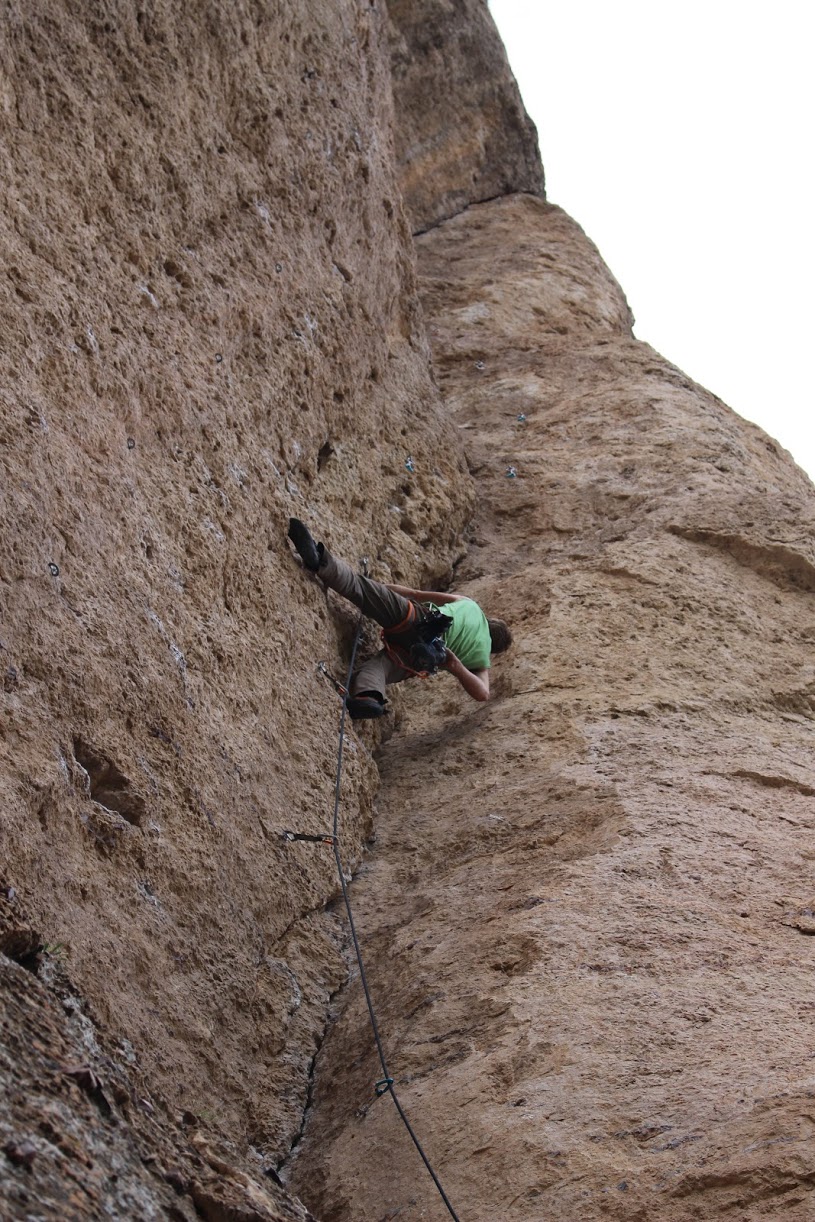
[586,916]
[587,906]
[82,1139]
[209,322]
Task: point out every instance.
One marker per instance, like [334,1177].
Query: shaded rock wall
[462,134]
[210,322]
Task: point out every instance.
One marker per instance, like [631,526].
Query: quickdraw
[307,836]
[340,688]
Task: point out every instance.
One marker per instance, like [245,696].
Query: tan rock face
[462,133]
[586,913]
[209,322]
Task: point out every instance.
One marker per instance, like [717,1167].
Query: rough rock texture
[462,134]
[586,916]
[81,1139]
[209,319]
[587,908]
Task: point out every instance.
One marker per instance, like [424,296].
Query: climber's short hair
[500,635]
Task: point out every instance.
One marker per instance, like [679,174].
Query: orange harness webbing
[405,623]
[399,656]
[395,652]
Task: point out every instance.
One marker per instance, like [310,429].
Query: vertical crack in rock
[282,1167]
[474,141]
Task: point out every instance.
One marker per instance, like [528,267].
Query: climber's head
[500,635]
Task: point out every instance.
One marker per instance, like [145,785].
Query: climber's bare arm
[425,596]
[476,683]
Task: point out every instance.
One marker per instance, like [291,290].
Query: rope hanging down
[385,1085]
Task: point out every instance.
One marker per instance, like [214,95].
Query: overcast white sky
[680,136]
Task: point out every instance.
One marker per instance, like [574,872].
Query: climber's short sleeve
[469,634]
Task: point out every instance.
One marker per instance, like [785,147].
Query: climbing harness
[421,659]
[386,1083]
[424,652]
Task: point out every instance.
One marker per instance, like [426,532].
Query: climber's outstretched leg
[375,600]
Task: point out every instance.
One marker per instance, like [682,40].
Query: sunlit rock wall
[589,910]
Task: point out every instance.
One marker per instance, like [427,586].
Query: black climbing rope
[385,1084]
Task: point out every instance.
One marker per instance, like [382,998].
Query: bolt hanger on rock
[308,837]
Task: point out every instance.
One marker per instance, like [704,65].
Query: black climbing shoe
[308,551]
[366,706]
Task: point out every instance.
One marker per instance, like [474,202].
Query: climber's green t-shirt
[469,634]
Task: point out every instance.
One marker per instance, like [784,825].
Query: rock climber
[419,637]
